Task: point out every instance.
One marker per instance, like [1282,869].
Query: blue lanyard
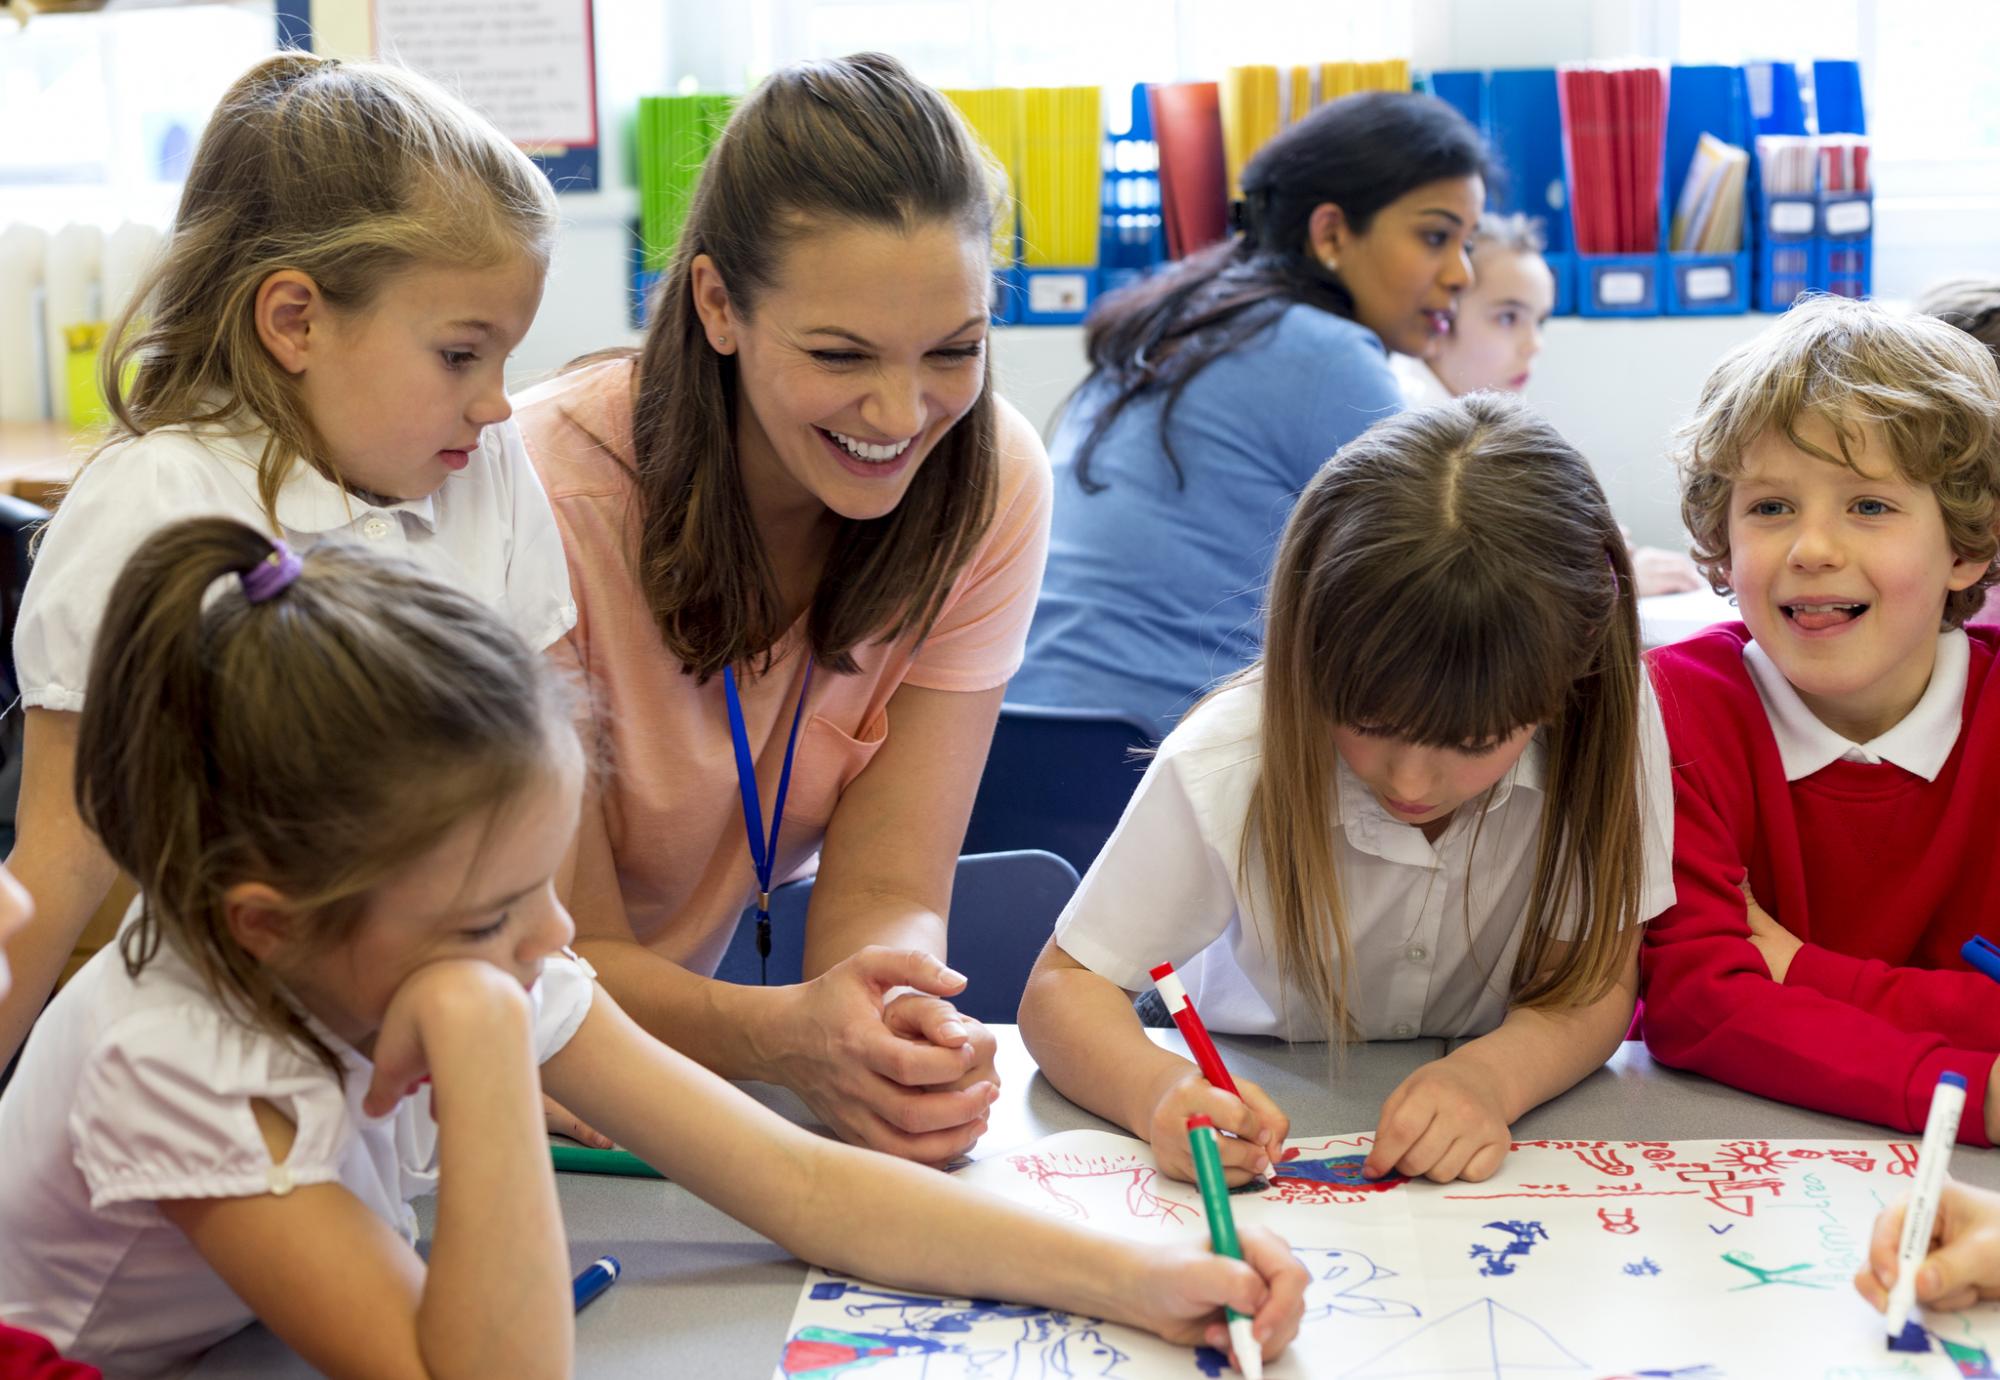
[763,855]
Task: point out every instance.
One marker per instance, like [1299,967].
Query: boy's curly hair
[1928,391]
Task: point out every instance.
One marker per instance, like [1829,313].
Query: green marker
[581,1159]
[1222,1234]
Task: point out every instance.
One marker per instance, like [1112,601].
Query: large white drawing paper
[1700,1260]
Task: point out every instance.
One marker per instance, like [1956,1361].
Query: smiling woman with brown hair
[805,539]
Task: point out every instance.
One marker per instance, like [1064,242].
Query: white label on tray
[1621,288]
[1707,284]
[1049,293]
[1846,217]
[1791,217]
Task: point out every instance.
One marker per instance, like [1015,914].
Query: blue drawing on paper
[1483,1338]
[1644,1265]
[1341,1283]
[1502,1260]
[1031,1343]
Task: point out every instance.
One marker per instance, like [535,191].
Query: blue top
[1153,591]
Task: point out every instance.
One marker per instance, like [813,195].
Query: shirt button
[1416,953]
[279,1177]
[1402,1030]
[375,528]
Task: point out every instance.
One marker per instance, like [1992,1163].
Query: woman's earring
[721,341]
[1330,264]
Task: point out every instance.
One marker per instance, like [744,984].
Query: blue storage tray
[1619,284]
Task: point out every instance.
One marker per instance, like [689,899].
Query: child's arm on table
[1712,1007]
[1958,1005]
[59,861]
[891,1221]
[1963,1268]
[1452,1118]
[341,1288]
[1087,1039]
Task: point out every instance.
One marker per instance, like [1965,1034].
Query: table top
[702,1295]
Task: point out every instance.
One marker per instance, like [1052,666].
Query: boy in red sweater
[1837,753]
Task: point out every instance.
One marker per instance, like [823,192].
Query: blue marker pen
[595,1279]
[1983,954]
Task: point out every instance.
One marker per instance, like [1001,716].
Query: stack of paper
[1614,132]
[1062,174]
[671,142]
[1708,219]
[1194,203]
[996,116]
[1249,117]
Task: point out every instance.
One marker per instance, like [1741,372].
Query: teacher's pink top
[669,791]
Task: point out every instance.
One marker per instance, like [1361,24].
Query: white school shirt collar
[1919,743]
[1372,829]
[308,501]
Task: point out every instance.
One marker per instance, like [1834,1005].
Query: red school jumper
[24,1356]
[1882,875]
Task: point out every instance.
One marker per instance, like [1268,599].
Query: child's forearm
[1082,1031]
[60,862]
[1536,1054]
[900,1224]
[496,1296]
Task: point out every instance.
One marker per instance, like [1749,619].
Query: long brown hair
[1450,576]
[347,172]
[316,742]
[1360,153]
[856,139]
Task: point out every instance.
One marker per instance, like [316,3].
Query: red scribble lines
[1603,1191]
[1619,1223]
[1048,1171]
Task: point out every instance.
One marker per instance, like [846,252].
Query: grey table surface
[703,1296]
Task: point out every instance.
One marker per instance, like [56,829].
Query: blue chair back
[1003,906]
[1057,779]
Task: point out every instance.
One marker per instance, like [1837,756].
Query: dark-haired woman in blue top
[1219,385]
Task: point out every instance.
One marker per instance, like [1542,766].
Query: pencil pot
[1785,252]
[1562,267]
[1708,284]
[1618,284]
[1843,252]
[1056,296]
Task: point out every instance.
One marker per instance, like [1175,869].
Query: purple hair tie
[270,576]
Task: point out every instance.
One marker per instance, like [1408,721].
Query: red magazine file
[1194,184]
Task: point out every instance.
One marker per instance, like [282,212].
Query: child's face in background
[486,892]
[1406,271]
[17,908]
[1842,576]
[856,362]
[1498,330]
[1423,785]
[400,390]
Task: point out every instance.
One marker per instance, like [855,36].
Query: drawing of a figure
[1973,1361]
[1501,1260]
[1338,1279]
[818,1353]
[1760,1276]
[1051,1172]
[978,1337]
[1483,1338]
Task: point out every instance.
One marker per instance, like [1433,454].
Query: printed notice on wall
[527,64]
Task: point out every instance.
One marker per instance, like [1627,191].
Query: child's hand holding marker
[1963,1266]
[1252,1117]
[1257,1129]
[1444,1122]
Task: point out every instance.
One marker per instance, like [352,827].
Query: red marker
[1168,985]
